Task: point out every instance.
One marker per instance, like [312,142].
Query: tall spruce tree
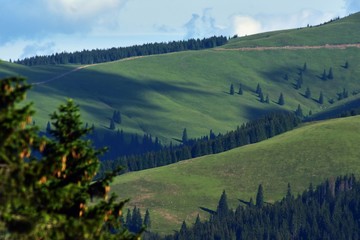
[240,92]
[299,112]
[184,136]
[308,93]
[232,91]
[223,207]
[324,75]
[147,220]
[281,100]
[304,67]
[330,74]
[260,197]
[48,194]
[321,98]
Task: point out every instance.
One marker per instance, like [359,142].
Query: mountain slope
[163,94]
[309,154]
[335,32]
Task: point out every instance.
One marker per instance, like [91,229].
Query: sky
[42,27]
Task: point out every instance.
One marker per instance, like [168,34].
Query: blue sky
[37,27]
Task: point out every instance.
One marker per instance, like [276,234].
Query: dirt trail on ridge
[326,46]
[79,68]
[245,49]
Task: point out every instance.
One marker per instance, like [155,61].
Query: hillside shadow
[208,210]
[256,113]
[113,91]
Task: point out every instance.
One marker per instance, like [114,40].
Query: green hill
[340,31]
[309,154]
[163,94]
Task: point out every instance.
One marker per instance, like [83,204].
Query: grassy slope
[163,94]
[311,153]
[341,31]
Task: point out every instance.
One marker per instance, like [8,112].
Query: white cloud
[246,25]
[203,26]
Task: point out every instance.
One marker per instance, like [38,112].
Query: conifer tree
[286,77]
[267,100]
[223,208]
[324,75]
[49,193]
[258,89]
[240,92]
[147,221]
[112,124]
[330,75]
[232,91]
[260,197]
[184,136]
[48,127]
[308,93]
[321,98]
[299,112]
[261,96]
[346,66]
[304,67]
[281,100]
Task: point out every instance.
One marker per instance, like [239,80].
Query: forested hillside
[113,54]
[327,211]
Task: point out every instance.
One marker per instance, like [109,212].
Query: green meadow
[311,153]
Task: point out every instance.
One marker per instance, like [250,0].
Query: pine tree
[299,112]
[117,117]
[308,93]
[281,100]
[324,75]
[136,220]
[223,208]
[286,77]
[112,124]
[184,136]
[49,194]
[321,98]
[240,92]
[260,197]
[48,127]
[147,221]
[267,100]
[346,66]
[232,91]
[330,75]
[258,89]
[261,96]
[304,67]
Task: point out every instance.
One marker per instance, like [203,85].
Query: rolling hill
[163,94]
[309,154]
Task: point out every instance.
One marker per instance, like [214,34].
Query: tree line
[113,54]
[248,133]
[329,211]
